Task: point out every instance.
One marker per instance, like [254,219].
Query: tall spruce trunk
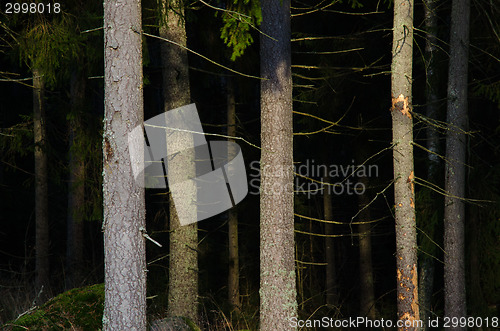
[183,269]
[41,189]
[431,84]
[402,135]
[123,196]
[454,213]
[76,186]
[426,263]
[233,279]
[278,293]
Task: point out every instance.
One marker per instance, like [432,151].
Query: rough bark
[41,188]
[278,294]
[404,194]
[233,281]
[454,214]
[367,290]
[331,275]
[124,205]
[183,270]
[76,187]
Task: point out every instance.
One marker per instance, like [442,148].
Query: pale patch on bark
[396,105]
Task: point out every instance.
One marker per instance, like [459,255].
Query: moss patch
[77,309]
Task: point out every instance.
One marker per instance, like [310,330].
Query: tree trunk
[76,186]
[41,188]
[331,275]
[454,216]
[367,291]
[404,194]
[278,293]
[427,268]
[476,300]
[123,196]
[183,270]
[431,86]
[233,280]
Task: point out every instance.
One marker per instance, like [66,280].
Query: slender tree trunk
[404,194]
[427,268]
[124,197]
[76,187]
[431,86]
[454,215]
[3,116]
[426,286]
[2,196]
[41,188]
[367,291]
[234,265]
[476,300]
[183,271]
[278,293]
[331,275]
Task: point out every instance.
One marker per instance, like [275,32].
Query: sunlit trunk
[402,139]
[278,293]
[123,196]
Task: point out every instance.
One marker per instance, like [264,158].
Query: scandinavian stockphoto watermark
[366,323]
[354,323]
[205,178]
[309,178]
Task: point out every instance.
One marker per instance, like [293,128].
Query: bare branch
[200,55]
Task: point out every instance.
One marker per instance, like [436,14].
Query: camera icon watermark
[205,178]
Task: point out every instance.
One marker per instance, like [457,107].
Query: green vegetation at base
[79,308]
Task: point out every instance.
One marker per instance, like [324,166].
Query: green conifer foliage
[239,19]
